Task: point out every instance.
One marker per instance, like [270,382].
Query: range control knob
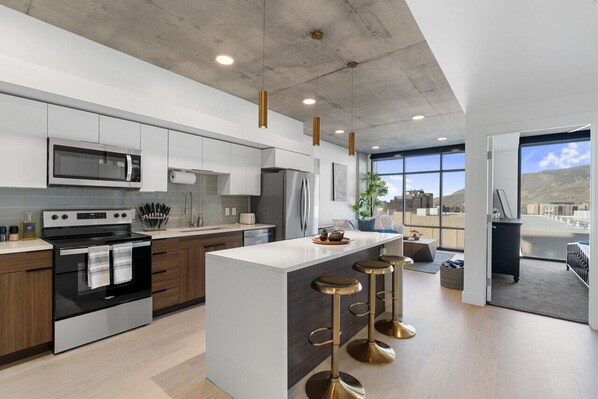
[65,216]
[116,215]
[54,217]
[124,215]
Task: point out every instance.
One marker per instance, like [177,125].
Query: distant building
[559,208]
[533,209]
[418,199]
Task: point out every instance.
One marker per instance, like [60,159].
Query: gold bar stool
[395,327]
[334,384]
[370,350]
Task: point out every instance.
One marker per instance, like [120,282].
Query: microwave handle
[129,167]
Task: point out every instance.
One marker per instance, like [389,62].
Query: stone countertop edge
[219,228]
[12,247]
[236,255]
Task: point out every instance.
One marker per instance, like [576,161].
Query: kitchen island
[260,309]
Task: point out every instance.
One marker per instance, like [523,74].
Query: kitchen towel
[122,264]
[98,266]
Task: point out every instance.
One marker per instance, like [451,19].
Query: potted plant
[414,235]
[375,188]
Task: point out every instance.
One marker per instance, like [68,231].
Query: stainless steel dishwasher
[258,236]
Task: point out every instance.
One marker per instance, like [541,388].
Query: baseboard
[177,307]
[473,299]
[25,354]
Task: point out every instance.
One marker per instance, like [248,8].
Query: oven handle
[80,251]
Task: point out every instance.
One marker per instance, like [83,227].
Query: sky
[554,156]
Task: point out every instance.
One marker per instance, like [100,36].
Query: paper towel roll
[182,177]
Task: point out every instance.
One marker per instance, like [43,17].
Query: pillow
[366,225]
[384,222]
[344,224]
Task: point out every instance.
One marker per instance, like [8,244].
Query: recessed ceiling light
[417,117]
[224,59]
[339,131]
[309,101]
[441,138]
[375,147]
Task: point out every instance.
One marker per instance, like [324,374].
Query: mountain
[571,184]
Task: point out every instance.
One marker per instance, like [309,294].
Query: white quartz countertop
[290,255]
[11,247]
[206,230]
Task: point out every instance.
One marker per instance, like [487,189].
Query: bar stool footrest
[317,330]
[381,295]
[359,304]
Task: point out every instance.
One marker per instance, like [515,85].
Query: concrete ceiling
[397,76]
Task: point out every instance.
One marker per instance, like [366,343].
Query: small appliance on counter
[247,218]
[3,235]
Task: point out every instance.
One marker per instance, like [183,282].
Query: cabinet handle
[162,290]
[160,253]
[160,272]
[39,269]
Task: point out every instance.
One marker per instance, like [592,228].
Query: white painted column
[474,283]
[593,283]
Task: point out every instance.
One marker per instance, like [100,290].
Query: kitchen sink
[193,229]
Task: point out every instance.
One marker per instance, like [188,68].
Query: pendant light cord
[352,98]
[317,71]
[264,46]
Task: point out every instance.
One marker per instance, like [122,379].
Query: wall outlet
[226,211]
[234,211]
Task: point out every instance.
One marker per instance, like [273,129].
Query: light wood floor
[460,351]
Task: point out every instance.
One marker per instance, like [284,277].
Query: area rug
[544,288]
[431,267]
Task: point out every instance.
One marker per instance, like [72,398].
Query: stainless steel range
[93,250]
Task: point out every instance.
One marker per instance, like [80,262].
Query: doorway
[553,206]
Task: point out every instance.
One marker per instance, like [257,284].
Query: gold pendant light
[263,95]
[352,65]
[317,36]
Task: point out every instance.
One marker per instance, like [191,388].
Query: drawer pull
[162,290]
[40,269]
[160,271]
[160,253]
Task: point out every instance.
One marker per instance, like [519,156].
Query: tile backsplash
[15,201]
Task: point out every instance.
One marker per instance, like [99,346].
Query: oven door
[72,295]
[76,163]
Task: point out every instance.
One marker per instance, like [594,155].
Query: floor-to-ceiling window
[554,193]
[426,191]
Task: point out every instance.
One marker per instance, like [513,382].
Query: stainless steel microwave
[79,163]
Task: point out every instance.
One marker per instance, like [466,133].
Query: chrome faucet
[191,221]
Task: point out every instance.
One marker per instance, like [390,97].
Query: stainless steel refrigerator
[289,201]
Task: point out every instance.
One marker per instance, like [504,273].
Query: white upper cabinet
[120,132]
[184,151]
[23,136]
[245,172]
[154,160]
[216,156]
[254,171]
[73,124]
[275,158]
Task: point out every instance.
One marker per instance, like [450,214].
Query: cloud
[568,157]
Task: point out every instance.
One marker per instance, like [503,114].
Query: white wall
[329,209]
[46,63]
[505,154]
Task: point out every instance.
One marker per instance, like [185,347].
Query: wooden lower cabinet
[179,267]
[165,273]
[25,301]
[193,261]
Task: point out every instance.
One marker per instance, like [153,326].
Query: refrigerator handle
[302,206]
[308,206]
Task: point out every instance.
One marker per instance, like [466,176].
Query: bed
[578,260]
